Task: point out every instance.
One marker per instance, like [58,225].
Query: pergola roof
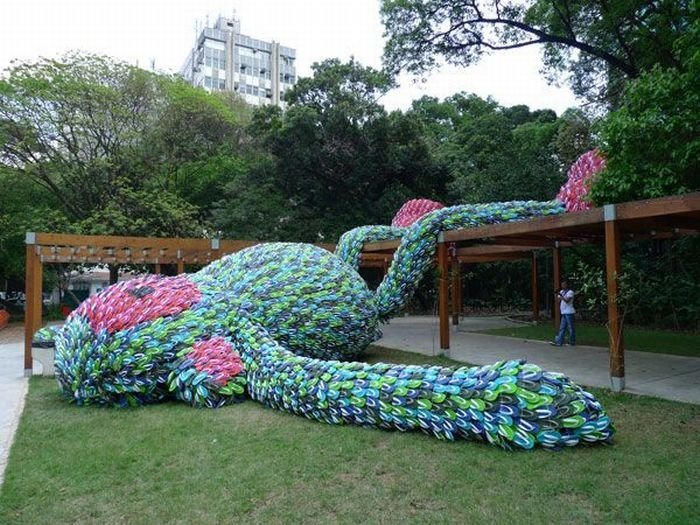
[612,225]
[66,248]
[665,217]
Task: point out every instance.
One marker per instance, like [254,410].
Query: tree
[574,137]
[599,43]
[197,142]
[117,147]
[479,151]
[111,149]
[24,207]
[336,160]
[494,153]
[348,88]
[653,141]
[71,126]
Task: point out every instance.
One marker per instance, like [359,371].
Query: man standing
[565,296]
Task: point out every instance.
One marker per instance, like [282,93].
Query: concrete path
[661,375]
[13,387]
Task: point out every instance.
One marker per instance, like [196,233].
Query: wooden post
[456,291]
[443,294]
[180,266]
[556,276]
[33,299]
[535,290]
[612,270]
[158,270]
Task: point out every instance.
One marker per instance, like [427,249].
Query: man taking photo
[565,297]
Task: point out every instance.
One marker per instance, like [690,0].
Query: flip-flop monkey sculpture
[279,323]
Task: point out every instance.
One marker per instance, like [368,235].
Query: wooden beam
[381,257]
[180,266]
[493,258]
[556,278]
[456,290]
[232,246]
[535,289]
[381,246]
[612,268]
[544,226]
[326,246]
[33,302]
[680,222]
[96,249]
[521,241]
[372,264]
[443,295]
[664,206]
[157,270]
[492,250]
[116,242]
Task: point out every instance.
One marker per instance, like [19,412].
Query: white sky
[163,30]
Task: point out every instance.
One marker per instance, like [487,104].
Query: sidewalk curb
[19,408]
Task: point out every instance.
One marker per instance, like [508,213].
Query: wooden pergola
[53,248]
[611,225]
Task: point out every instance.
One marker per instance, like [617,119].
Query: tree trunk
[113,273]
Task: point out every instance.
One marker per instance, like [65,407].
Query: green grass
[247,464]
[641,339]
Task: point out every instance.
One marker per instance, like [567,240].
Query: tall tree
[96,146]
[24,206]
[494,153]
[337,159]
[117,147]
[653,141]
[71,126]
[598,43]
[346,87]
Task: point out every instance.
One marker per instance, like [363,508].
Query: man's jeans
[567,323]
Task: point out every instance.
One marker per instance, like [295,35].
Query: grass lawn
[657,341]
[247,464]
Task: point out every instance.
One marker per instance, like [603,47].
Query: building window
[215,83]
[246,51]
[215,58]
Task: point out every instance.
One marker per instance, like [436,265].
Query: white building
[224,59]
[95,279]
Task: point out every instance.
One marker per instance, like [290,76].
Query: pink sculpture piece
[132,302]
[573,194]
[413,210]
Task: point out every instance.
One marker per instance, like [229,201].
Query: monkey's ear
[45,337]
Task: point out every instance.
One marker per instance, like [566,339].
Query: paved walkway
[661,375]
[13,387]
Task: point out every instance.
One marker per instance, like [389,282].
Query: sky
[163,31]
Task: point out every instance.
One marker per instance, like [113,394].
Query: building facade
[225,59]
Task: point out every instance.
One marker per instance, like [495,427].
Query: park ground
[175,464]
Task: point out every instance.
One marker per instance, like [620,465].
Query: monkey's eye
[141,292]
